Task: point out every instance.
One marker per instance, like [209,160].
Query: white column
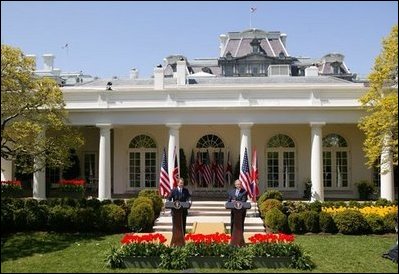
[158,78]
[316,168]
[245,142]
[387,178]
[173,142]
[181,72]
[104,163]
[6,170]
[39,177]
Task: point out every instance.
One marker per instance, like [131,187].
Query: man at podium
[237,194]
[180,193]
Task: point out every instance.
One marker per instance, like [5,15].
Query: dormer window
[281,55]
[255,43]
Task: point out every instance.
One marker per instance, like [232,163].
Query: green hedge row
[70,215]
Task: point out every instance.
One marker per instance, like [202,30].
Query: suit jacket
[242,195]
[175,195]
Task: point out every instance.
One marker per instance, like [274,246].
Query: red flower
[11,183]
[146,238]
[208,238]
[271,238]
[73,182]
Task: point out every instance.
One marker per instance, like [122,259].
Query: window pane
[289,169]
[272,169]
[342,169]
[134,167]
[327,169]
[150,169]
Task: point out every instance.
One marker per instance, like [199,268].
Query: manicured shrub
[36,218]
[311,221]
[354,204]
[296,223]
[31,203]
[376,223]
[143,200]
[52,202]
[106,202]
[141,218]
[383,202]
[112,218]
[129,205]
[326,223]
[276,220]
[270,194]
[67,201]
[351,222]
[315,206]
[87,219]
[93,203]
[365,189]
[61,218]
[295,207]
[390,220]
[156,200]
[20,219]
[269,204]
[7,217]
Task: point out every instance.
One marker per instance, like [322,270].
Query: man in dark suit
[237,194]
[180,193]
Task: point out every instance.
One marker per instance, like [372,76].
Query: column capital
[245,125]
[104,125]
[317,124]
[173,125]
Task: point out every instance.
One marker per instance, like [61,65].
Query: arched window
[211,152]
[280,161]
[142,162]
[335,162]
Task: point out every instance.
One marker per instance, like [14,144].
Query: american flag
[229,169]
[164,185]
[193,169]
[175,173]
[220,169]
[253,10]
[245,176]
[254,175]
[206,169]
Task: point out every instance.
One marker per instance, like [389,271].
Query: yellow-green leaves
[381,102]
[33,118]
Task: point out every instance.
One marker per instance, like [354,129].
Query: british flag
[175,173]
[229,169]
[193,169]
[220,169]
[254,175]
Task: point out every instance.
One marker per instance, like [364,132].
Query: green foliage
[327,223]
[316,206]
[311,221]
[112,218]
[36,217]
[381,102]
[155,198]
[269,204]
[239,259]
[143,200]
[174,258]
[308,188]
[390,221]
[296,223]
[141,218]
[365,189]
[276,220]
[376,223]
[295,207]
[383,202]
[351,222]
[33,118]
[270,194]
[61,218]
[114,258]
[87,219]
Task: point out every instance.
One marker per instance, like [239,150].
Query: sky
[107,39]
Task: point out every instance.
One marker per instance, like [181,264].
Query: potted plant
[365,189]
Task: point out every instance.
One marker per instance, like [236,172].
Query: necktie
[237,192]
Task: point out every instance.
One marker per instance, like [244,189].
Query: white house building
[300,114]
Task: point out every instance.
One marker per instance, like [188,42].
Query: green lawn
[54,252]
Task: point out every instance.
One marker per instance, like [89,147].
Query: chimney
[34,59]
[312,71]
[181,72]
[134,73]
[283,38]
[223,40]
[48,60]
[158,77]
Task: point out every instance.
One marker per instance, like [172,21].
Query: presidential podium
[177,208]
[238,210]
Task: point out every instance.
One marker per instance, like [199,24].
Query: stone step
[168,228]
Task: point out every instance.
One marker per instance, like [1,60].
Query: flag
[254,175]
[199,169]
[164,185]
[66,46]
[253,10]
[220,170]
[229,169]
[175,173]
[214,168]
[206,169]
[245,176]
[193,169]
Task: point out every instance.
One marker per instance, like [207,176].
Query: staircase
[210,212]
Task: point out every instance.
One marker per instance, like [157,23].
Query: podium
[239,210]
[177,208]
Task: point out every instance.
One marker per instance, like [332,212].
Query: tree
[34,122]
[381,102]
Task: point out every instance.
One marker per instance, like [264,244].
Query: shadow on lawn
[18,245]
